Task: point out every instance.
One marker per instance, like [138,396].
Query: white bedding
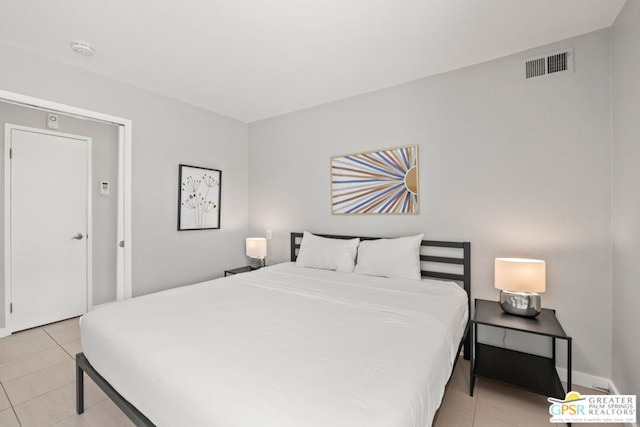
[282,346]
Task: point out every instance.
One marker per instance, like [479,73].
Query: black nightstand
[239,270]
[534,373]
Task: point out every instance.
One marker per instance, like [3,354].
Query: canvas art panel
[376,182]
[198,198]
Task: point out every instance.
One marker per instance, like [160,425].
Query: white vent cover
[549,65]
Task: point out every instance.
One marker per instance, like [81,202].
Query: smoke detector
[82,48]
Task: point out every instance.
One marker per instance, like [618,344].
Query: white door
[49,223]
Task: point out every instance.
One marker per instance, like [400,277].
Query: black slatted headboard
[460,260]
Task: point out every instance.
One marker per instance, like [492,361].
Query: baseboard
[591,381]
[4,332]
[585,380]
[614,390]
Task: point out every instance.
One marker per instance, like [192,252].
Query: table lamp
[519,281]
[257,248]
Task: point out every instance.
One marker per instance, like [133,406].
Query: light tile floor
[37,379]
[495,405]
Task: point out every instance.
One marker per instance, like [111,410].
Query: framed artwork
[376,182]
[198,198]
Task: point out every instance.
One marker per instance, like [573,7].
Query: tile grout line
[36,371]
[34,397]
[62,329]
[59,345]
[13,409]
[32,352]
[42,328]
[39,370]
[72,356]
[86,406]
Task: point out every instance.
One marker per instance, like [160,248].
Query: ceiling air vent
[549,65]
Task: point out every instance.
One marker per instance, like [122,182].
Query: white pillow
[396,258]
[327,254]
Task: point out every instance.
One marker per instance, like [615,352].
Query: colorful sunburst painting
[376,182]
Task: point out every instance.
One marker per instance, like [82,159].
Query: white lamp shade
[256,247]
[520,275]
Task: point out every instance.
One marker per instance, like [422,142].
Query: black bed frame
[139,419]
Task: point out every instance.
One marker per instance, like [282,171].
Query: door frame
[124,233]
[8,236]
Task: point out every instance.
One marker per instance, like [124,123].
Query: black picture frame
[199,194]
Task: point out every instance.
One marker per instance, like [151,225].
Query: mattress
[282,346]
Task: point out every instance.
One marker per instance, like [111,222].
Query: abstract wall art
[198,198]
[376,182]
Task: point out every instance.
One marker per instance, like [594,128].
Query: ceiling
[253,59]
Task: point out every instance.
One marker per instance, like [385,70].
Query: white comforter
[282,346]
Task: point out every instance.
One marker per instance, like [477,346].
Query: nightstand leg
[569,365]
[472,350]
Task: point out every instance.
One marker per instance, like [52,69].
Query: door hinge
[11,153]
[10,308]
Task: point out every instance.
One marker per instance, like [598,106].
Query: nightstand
[239,270]
[534,373]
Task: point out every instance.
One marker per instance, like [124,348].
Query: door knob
[78,236]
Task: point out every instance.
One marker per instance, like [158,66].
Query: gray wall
[517,168]
[165,133]
[104,168]
[626,199]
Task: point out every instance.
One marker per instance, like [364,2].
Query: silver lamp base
[525,304]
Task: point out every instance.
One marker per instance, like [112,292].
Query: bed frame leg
[79,385]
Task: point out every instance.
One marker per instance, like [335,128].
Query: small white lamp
[519,281]
[257,248]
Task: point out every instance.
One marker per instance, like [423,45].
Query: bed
[285,346]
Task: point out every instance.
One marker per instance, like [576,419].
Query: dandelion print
[199,198]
